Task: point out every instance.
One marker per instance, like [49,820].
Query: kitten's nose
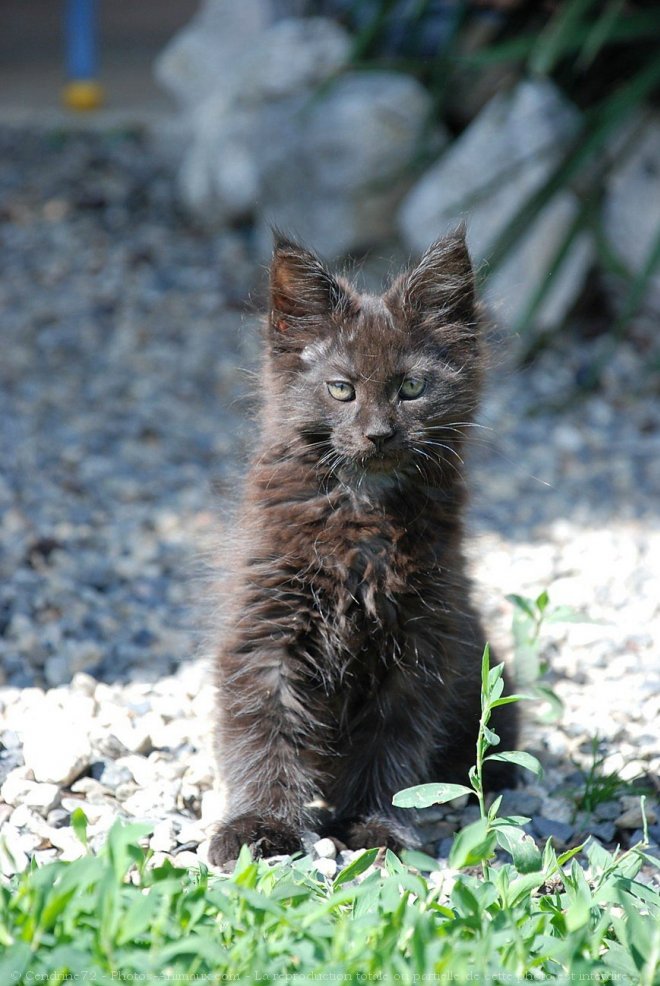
[380,435]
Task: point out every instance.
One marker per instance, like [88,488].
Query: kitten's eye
[412,387]
[340,390]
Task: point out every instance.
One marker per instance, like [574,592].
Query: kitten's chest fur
[357,581]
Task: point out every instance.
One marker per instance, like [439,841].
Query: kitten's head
[377,385]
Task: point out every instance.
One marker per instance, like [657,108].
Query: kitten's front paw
[365,833]
[263,836]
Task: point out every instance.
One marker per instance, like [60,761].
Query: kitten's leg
[267,755]
[388,750]
[407,738]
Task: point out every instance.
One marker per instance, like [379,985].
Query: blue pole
[82,91]
[81,39]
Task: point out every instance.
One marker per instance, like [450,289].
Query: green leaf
[472,845]
[507,699]
[121,844]
[523,604]
[490,736]
[425,795]
[569,854]
[15,962]
[558,36]
[542,601]
[578,912]
[525,760]
[566,614]
[495,807]
[359,865]
[494,676]
[521,847]
[79,825]
[139,916]
[555,709]
[495,690]
[420,861]
[464,899]
[392,864]
[485,668]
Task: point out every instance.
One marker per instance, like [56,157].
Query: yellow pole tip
[82,95]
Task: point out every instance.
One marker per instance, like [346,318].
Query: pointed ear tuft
[301,289]
[441,288]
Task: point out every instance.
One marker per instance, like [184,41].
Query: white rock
[43,797]
[42,856]
[325,849]
[84,683]
[133,734]
[147,803]
[338,178]
[56,748]
[25,818]
[499,161]
[143,769]
[66,840]
[163,838]
[204,56]
[186,859]
[242,126]
[631,209]
[203,852]
[212,807]
[558,809]
[13,858]
[330,166]
[294,55]
[192,831]
[326,867]
[159,858]
[16,784]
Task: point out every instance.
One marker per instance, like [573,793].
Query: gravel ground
[123,418]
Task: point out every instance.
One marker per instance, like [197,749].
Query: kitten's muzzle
[381,436]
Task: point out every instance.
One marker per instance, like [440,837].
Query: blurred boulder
[631,209]
[203,57]
[256,116]
[506,155]
[291,138]
[339,182]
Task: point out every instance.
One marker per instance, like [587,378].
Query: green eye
[340,390]
[412,387]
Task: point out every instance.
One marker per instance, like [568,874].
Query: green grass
[526,916]
[599,786]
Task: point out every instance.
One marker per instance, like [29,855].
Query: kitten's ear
[302,291]
[441,288]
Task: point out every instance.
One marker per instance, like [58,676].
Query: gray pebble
[604,831]
[548,828]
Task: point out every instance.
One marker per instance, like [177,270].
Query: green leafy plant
[530,616]
[113,917]
[598,786]
[476,843]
